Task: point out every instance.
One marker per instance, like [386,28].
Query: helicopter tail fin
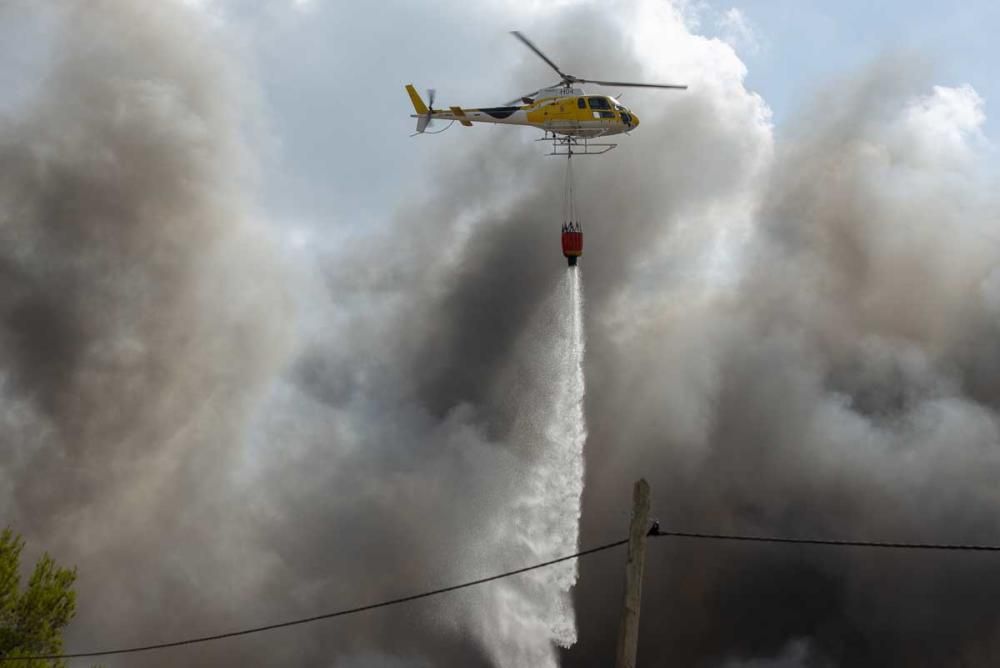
[418,104]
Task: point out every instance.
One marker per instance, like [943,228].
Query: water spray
[528,617]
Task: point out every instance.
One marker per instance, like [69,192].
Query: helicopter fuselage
[572,113]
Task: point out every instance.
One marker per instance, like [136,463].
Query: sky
[264,355]
[791,50]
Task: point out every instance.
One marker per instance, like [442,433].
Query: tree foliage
[32,619]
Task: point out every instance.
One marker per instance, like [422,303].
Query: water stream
[523,619]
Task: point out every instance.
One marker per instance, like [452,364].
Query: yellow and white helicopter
[569,117]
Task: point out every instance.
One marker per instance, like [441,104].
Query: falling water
[523,619]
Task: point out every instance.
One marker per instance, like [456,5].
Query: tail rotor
[424,121]
[425,113]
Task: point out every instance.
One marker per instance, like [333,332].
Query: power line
[657,532]
[316,618]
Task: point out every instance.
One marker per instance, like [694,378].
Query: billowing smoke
[141,315]
[789,335]
[837,380]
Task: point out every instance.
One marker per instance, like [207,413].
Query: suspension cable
[569,205]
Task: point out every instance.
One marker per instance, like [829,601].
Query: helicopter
[570,118]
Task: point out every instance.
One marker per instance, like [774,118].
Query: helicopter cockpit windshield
[627,117]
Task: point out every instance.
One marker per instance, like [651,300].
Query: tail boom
[502,115]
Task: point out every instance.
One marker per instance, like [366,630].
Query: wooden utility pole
[628,632]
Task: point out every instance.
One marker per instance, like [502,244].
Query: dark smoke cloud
[139,317]
[789,337]
[843,387]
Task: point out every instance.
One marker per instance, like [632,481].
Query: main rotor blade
[633,85]
[527,42]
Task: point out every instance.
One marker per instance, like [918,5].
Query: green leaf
[32,620]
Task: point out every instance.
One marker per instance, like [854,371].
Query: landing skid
[569,146]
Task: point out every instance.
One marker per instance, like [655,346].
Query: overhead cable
[655,532]
[316,618]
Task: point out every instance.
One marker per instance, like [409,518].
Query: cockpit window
[581,103]
[598,103]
